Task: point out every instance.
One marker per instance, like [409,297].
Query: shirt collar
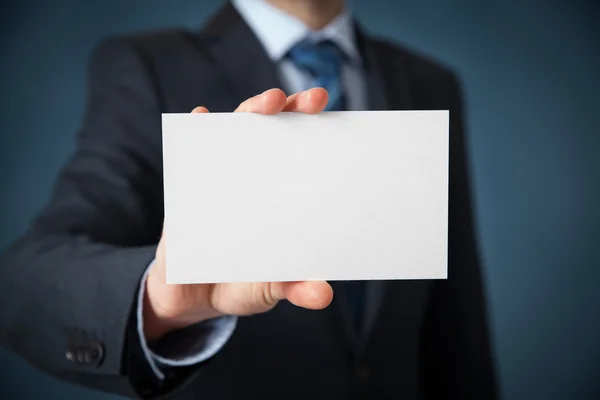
[279,31]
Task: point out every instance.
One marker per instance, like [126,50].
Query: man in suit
[86,285]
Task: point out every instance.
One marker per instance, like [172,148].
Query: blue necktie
[323,62]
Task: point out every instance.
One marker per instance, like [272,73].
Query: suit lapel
[386,74]
[239,54]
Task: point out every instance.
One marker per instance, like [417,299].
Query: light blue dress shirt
[278,32]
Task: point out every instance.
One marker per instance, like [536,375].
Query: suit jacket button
[90,353]
[70,355]
[93,354]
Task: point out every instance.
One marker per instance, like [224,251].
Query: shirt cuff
[183,347]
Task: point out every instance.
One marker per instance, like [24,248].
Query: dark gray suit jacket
[68,286]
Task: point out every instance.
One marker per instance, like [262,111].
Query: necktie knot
[319,59]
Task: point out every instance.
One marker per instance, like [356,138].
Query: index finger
[271,101]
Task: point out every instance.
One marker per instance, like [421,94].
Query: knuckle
[267,296]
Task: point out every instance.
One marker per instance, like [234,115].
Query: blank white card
[334,196]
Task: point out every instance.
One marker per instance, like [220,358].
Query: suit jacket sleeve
[458,359]
[68,286]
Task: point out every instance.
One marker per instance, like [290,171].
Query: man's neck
[316,14]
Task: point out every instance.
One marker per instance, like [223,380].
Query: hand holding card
[168,307]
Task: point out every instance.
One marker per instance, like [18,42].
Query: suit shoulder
[152,44]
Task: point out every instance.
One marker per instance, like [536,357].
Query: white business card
[333,196]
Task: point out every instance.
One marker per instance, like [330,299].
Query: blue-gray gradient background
[531,71]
